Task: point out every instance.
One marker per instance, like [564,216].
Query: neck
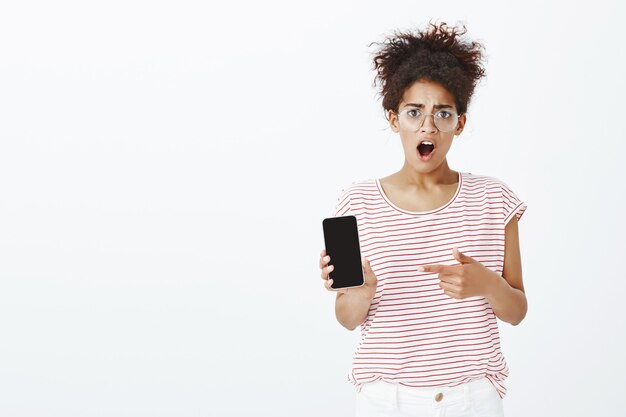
[442,175]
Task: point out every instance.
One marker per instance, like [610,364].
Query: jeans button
[439,397]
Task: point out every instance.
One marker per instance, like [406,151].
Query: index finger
[436,268]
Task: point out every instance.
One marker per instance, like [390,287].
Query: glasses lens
[413,119]
[446,120]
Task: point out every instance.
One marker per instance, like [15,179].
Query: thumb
[461,257]
[366,265]
[367,268]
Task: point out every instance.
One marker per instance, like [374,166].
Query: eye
[413,113]
[443,114]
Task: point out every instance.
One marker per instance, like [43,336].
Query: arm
[351,307]
[471,278]
[352,304]
[507,296]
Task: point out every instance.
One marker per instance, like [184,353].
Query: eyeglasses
[413,119]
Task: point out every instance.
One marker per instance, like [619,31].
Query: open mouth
[425,149]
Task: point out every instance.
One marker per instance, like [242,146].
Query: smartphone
[341,237]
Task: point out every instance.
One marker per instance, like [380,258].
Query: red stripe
[467,353]
[397,354]
[395,330]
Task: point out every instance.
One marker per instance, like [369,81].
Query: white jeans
[477,398]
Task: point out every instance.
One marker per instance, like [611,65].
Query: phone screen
[341,237]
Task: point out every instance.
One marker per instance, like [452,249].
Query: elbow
[522,313]
[347,321]
[518,320]
[349,326]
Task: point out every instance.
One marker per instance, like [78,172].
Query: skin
[427,185]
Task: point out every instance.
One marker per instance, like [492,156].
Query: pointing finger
[441,269]
[430,268]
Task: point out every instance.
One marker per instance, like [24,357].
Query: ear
[461,125]
[393,120]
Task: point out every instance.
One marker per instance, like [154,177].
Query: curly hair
[437,55]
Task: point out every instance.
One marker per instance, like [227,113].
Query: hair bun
[439,54]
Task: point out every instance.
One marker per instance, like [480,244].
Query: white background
[165,168]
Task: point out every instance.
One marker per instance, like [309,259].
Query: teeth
[426,142]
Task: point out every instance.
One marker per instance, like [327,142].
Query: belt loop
[394,401]
[466,396]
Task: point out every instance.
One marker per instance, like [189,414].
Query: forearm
[509,304]
[351,308]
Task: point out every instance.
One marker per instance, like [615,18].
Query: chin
[429,165]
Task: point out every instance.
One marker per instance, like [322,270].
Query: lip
[428,139]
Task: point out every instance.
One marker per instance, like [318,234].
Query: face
[427,97]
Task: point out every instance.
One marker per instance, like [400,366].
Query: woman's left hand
[468,279]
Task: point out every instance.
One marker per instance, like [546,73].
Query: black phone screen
[341,237]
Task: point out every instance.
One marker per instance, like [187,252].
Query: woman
[440,248]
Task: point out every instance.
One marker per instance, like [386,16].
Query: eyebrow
[437,106]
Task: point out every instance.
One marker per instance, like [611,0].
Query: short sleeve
[511,204]
[342,206]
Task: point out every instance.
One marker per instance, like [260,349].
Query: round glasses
[413,119]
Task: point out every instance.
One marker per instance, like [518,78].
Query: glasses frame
[429,114]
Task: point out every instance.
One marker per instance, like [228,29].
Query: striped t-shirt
[414,333]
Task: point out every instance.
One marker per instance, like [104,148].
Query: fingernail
[326,258]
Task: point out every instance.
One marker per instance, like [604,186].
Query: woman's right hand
[368,289]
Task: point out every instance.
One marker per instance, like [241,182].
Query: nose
[428,125]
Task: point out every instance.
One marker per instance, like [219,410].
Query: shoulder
[495,191]
[358,186]
[352,195]
[481,181]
